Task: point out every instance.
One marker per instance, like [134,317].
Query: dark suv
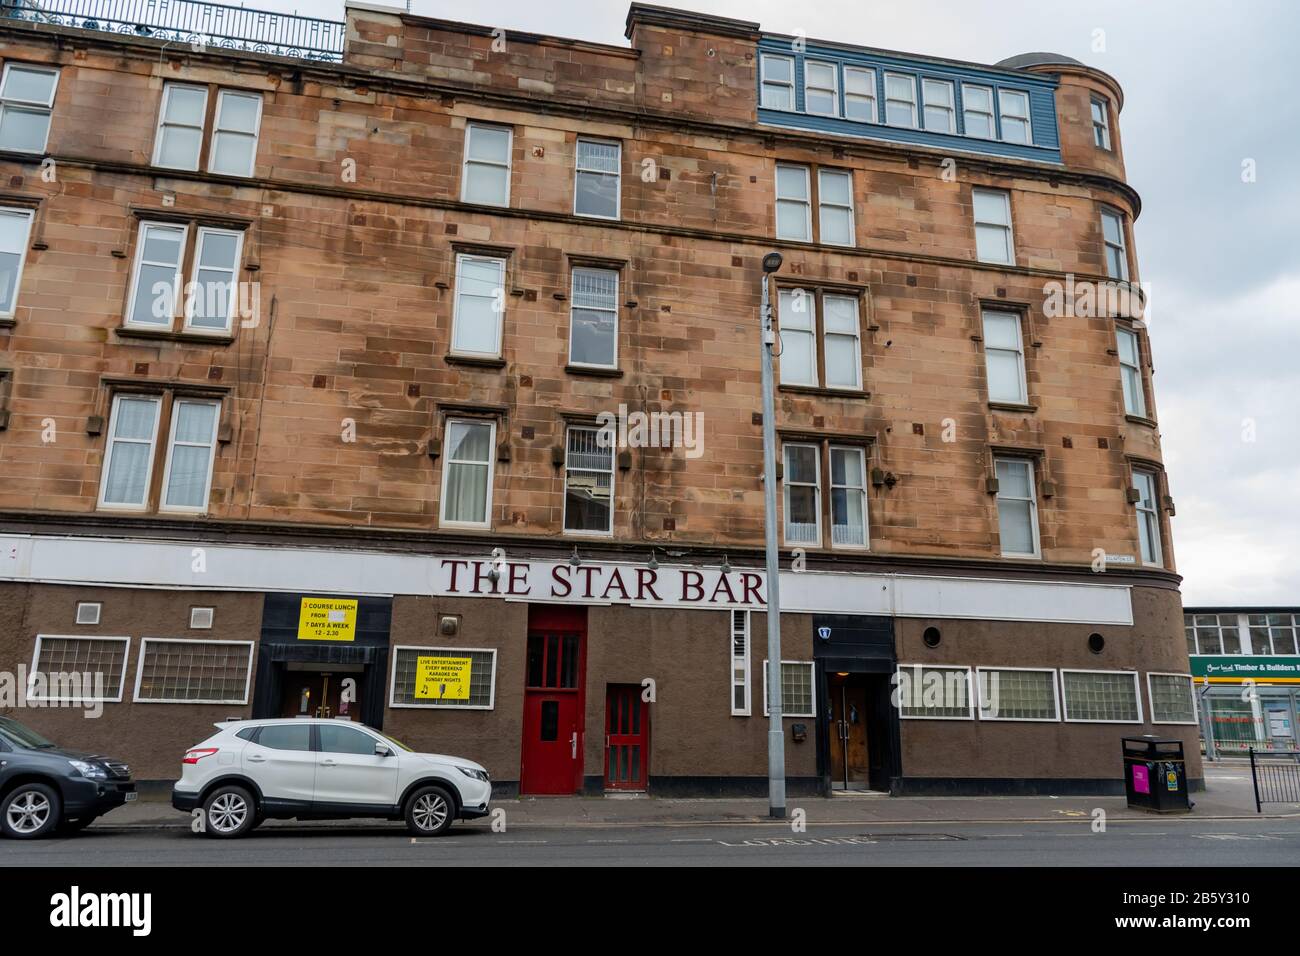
[43,787]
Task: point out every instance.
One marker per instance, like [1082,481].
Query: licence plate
[131,795]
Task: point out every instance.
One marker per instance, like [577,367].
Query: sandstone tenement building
[307,334]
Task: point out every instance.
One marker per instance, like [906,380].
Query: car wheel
[228,812]
[430,811]
[30,811]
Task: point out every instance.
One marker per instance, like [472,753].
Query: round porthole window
[1096,642]
[932,637]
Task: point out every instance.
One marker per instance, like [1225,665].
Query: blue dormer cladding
[1045,145]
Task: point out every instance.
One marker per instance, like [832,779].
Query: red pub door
[627,737]
[551,762]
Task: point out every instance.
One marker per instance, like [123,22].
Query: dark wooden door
[848,733]
[627,737]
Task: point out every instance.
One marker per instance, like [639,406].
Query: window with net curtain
[467,484]
[194,427]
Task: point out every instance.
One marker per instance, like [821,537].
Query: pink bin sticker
[1141,779]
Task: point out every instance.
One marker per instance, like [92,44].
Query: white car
[310,769]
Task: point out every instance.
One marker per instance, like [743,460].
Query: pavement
[1228,795]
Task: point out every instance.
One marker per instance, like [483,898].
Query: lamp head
[772,261]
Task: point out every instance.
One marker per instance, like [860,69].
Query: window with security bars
[1017,694]
[1101,696]
[597,179]
[66,663]
[588,483]
[796,689]
[934,692]
[740,663]
[193,672]
[593,319]
[1172,699]
[482,673]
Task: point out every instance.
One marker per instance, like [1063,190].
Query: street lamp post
[775,728]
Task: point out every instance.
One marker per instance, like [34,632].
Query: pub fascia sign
[595,582]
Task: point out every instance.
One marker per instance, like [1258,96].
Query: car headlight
[476,774]
[94,771]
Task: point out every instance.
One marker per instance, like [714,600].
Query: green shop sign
[1224,669]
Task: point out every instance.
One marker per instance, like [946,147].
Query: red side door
[627,737]
[551,759]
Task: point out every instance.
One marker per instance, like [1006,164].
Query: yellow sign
[442,678]
[327,619]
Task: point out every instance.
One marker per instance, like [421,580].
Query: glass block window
[1014,694]
[796,689]
[935,692]
[194,672]
[1172,699]
[74,668]
[1101,696]
[482,677]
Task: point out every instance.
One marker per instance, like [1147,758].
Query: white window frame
[812,694]
[823,204]
[784,328]
[833,89]
[30,106]
[1032,465]
[1056,695]
[139,671]
[764,82]
[950,108]
[970,690]
[110,443]
[452,651]
[36,659]
[466,161]
[911,79]
[448,461]
[573,279]
[1027,119]
[1019,351]
[815,484]
[616,176]
[232,300]
[738,663]
[866,498]
[613,486]
[1135,395]
[178,400]
[168,89]
[217,129]
[805,202]
[1191,688]
[1149,518]
[1065,702]
[98,607]
[29,215]
[178,290]
[967,110]
[1008,226]
[870,75]
[827,334]
[1121,247]
[455,307]
[1102,126]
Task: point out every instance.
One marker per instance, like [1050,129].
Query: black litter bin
[1155,774]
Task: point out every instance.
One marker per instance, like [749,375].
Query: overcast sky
[1205,90]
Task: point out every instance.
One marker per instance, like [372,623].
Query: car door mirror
[383,750]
